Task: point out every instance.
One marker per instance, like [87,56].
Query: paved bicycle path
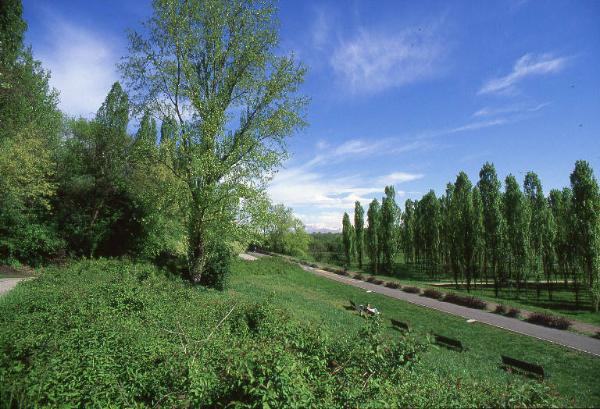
[569,339]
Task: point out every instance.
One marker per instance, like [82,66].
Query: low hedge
[465,301]
[359,276]
[392,284]
[412,290]
[513,313]
[549,320]
[431,293]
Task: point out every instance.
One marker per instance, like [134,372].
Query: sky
[403,93]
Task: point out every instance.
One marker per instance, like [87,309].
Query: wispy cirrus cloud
[82,64]
[511,109]
[320,198]
[373,61]
[527,66]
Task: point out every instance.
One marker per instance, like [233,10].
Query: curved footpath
[7,284]
[569,339]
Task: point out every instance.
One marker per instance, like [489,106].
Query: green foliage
[374,221]
[517,215]
[109,333]
[327,248]
[217,266]
[493,221]
[359,229]
[284,233]
[198,62]
[586,212]
[347,239]
[29,126]
[387,239]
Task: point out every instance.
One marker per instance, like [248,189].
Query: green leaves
[212,67]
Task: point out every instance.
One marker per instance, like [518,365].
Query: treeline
[283,233]
[215,105]
[511,237]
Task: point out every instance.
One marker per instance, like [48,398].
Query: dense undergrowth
[103,332]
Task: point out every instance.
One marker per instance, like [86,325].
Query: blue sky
[403,93]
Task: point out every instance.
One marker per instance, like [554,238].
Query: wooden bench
[449,342]
[521,366]
[400,325]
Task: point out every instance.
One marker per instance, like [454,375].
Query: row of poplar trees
[513,237]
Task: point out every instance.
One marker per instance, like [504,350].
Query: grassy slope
[322,302]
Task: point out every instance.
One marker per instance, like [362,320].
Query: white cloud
[82,65]
[512,109]
[374,61]
[356,146]
[320,198]
[398,177]
[477,125]
[320,28]
[526,66]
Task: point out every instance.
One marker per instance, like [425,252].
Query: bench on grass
[400,325]
[526,368]
[449,342]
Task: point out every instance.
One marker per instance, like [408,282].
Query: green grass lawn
[323,303]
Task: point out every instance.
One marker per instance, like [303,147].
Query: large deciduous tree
[30,124]
[212,66]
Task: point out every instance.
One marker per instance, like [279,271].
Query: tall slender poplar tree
[373,220]
[586,211]
[359,229]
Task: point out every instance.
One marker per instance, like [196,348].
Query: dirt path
[7,284]
[569,339]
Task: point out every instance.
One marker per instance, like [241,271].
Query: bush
[548,320]
[377,281]
[501,309]
[412,290]
[392,284]
[465,301]
[217,266]
[342,272]
[370,279]
[431,293]
[514,313]
[359,276]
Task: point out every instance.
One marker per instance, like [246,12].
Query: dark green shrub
[513,313]
[548,320]
[412,290]
[392,284]
[501,309]
[465,301]
[217,266]
[431,293]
